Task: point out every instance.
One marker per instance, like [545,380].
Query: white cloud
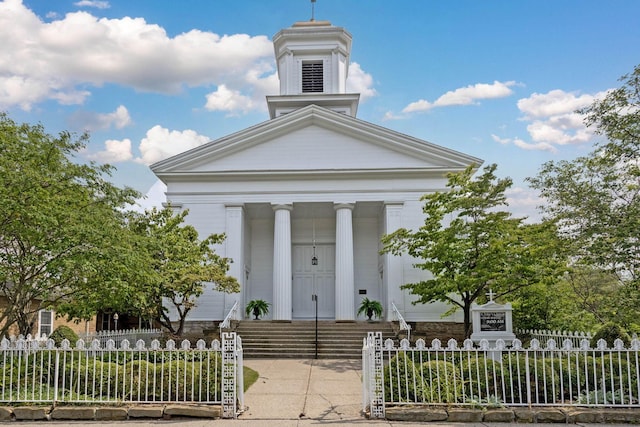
[65,58]
[360,82]
[554,103]
[224,99]
[161,143]
[560,130]
[540,146]
[115,151]
[503,141]
[464,96]
[524,202]
[98,4]
[90,121]
[420,105]
[390,115]
[553,120]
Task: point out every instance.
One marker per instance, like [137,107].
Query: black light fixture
[314,258]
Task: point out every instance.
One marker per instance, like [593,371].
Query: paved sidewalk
[292,389]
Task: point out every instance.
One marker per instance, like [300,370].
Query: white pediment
[312,148]
[314,139]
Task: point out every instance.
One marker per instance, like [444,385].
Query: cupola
[313,65]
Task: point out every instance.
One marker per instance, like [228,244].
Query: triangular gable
[315,139]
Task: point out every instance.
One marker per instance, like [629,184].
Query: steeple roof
[313,64]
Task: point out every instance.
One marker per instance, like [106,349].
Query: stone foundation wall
[88,413]
[199,329]
[514,415]
[428,331]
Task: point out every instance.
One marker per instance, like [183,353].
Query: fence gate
[230,374]
[373,370]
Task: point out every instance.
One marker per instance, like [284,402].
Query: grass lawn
[250,377]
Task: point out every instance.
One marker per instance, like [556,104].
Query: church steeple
[313,65]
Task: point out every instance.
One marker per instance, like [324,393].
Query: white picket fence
[131,335]
[549,375]
[34,373]
[558,336]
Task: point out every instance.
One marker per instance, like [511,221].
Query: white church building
[305,197]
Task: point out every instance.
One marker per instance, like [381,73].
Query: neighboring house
[46,322]
[305,197]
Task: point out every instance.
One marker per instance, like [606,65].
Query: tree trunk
[468,326]
[165,322]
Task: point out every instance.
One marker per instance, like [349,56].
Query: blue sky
[499,79]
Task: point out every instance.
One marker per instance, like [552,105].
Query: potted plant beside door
[370,308]
[257,307]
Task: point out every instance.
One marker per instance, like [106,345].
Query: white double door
[309,280]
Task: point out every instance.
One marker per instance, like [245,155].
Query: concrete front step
[296,339]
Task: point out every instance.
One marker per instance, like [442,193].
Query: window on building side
[45,325]
[312,77]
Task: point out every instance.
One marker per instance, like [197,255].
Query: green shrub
[610,332]
[408,378]
[403,382]
[442,384]
[64,332]
[193,377]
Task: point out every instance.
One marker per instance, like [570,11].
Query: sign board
[493,321]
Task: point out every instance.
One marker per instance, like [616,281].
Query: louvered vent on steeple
[313,65]
[312,76]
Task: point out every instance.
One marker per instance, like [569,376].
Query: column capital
[234,205]
[338,206]
[282,206]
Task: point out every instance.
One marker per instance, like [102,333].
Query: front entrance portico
[284,281]
[279,248]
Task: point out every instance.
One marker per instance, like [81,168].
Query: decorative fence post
[229,373]
[375,374]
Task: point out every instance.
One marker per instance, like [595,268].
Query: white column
[345,308]
[394,277]
[234,242]
[282,263]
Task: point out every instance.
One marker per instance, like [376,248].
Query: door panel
[309,279]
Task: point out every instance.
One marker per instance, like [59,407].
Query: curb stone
[523,415]
[107,413]
[73,413]
[464,415]
[30,413]
[499,416]
[550,416]
[112,414]
[6,414]
[196,411]
[146,411]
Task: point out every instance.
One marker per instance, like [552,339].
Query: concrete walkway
[321,390]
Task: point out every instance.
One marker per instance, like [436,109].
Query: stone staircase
[296,339]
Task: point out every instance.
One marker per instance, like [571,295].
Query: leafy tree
[576,301]
[595,199]
[58,220]
[469,245]
[181,266]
